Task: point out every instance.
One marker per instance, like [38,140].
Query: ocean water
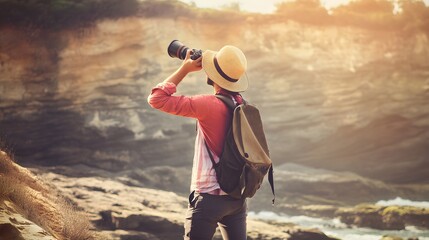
[334,228]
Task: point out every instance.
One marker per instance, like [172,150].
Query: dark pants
[206,212]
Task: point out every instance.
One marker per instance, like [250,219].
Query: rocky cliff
[336,97]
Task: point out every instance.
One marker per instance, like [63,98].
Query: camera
[176,49]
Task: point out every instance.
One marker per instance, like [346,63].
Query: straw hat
[226,68]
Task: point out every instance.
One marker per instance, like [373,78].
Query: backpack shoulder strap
[230,104]
[210,154]
[271,181]
[228,101]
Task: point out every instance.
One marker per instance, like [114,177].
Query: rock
[327,211]
[325,187]
[131,235]
[389,237]
[308,234]
[392,237]
[385,218]
[9,231]
[138,222]
[15,226]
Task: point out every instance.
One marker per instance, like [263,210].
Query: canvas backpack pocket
[251,178]
[226,172]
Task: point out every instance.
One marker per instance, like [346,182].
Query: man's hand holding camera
[190,65]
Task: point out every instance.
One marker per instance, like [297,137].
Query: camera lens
[176,49]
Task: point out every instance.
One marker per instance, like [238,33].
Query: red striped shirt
[213,120]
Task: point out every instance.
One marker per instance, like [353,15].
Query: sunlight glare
[266,6]
[269,6]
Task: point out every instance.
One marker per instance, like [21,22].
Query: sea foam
[403,202]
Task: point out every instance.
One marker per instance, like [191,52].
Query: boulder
[385,218]
[393,237]
[16,226]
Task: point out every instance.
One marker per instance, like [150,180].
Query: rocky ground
[151,211]
[53,206]
[14,226]
[119,211]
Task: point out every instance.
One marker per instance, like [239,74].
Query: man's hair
[209,81]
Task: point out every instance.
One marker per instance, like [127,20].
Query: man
[209,206]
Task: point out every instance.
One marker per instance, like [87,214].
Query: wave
[403,202]
[334,228]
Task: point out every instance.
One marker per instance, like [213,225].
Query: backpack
[245,159]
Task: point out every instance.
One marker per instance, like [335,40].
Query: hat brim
[208,65]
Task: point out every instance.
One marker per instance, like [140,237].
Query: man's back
[208,204]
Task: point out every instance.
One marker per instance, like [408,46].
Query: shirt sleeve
[162,98]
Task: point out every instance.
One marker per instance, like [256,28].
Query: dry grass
[41,204]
